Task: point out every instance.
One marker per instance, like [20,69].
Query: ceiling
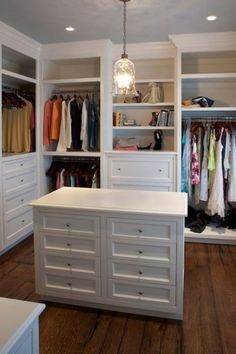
[147,20]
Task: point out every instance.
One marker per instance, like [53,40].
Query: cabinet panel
[69,245]
[141,293]
[168,187]
[68,265]
[19,164]
[19,180]
[72,285]
[142,229]
[16,201]
[139,271]
[72,224]
[165,253]
[16,225]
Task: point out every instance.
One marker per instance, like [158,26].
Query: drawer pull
[22,221]
[140,231]
[140,293]
[140,272]
[160,170]
[68,244]
[140,252]
[69,284]
[68,264]
[67,225]
[22,180]
[22,200]
[22,164]
[119,169]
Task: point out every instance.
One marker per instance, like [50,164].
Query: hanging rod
[58,92]
[209,119]
[76,159]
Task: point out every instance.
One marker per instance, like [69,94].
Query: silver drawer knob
[160,170]
[140,231]
[68,264]
[22,200]
[69,284]
[68,244]
[119,169]
[22,221]
[140,272]
[22,164]
[140,252]
[22,180]
[140,293]
[67,225]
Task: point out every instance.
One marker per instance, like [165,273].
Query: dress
[232,171]
[204,171]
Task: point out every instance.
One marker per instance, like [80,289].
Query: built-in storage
[111,249]
[19,162]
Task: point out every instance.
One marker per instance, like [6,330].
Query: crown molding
[70,50]
[145,50]
[204,41]
[18,41]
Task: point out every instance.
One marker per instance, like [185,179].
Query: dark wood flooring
[209,325]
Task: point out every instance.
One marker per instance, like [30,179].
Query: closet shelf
[143,152]
[72,153]
[72,81]
[211,76]
[159,104]
[13,75]
[134,127]
[147,81]
[209,109]
[211,234]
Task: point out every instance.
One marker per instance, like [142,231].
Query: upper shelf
[17,77]
[159,104]
[209,76]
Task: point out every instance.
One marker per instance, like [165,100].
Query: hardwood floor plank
[209,324]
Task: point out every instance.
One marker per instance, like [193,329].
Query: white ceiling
[147,20]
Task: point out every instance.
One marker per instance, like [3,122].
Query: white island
[112,249]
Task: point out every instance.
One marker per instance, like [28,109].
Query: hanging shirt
[47,121]
[216,203]
[75,111]
[232,171]
[195,164]
[61,146]
[84,126]
[204,171]
[56,119]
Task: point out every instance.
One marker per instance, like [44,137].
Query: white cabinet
[122,250]
[140,171]
[19,189]
[19,333]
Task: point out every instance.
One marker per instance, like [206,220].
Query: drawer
[142,293]
[139,271]
[160,169]
[19,180]
[19,164]
[16,201]
[72,285]
[142,229]
[82,266]
[69,245]
[167,187]
[81,225]
[14,224]
[164,253]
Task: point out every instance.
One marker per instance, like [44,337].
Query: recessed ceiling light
[211,18]
[69,28]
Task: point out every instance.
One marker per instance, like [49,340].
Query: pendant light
[124,73]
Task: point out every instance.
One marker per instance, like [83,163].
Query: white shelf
[211,76]
[139,152]
[159,104]
[73,81]
[209,109]
[72,153]
[18,76]
[211,234]
[134,127]
[147,81]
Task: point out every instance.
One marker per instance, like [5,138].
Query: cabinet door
[18,165]
[18,225]
[18,181]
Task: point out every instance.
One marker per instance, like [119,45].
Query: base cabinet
[110,258]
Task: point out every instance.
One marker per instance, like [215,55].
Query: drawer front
[142,229]
[20,180]
[65,245]
[83,225]
[14,224]
[19,164]
[165,253]
[72,285]
[142,272]
[160,169]
[142,293]
[168,187]
[16,201]
[82,266]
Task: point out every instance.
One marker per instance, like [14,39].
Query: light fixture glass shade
[124,78]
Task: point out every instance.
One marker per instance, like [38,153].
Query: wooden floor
[209,325]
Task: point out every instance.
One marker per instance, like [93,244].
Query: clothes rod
[209,119]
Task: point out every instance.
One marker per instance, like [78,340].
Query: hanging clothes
[47,121]
[76,111]
[204,170]
[232,170]
[56,119]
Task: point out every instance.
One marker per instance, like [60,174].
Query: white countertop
[15,317]
[132,201]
